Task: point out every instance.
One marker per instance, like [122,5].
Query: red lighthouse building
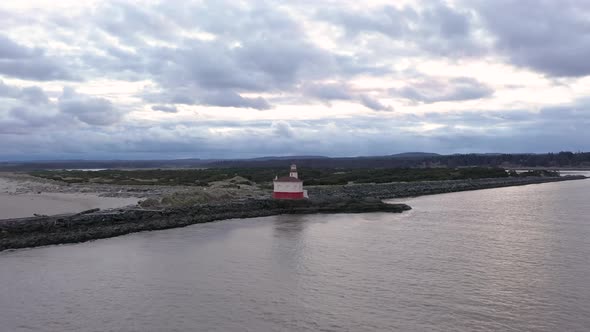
[289,187]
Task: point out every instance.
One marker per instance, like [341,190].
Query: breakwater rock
[92,224]
[412,189]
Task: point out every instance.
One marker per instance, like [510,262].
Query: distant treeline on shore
[427,160]
[405,160]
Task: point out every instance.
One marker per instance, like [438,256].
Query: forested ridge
[410,160]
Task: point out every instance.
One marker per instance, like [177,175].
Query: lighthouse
[289,187]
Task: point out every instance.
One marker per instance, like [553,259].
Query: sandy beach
[22,197]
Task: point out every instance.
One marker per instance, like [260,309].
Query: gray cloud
[165,108]
[435,28]
[190,95]
[282,129]
[28,109]
[373,103]
[473,131]
[8,91]
[23,97]
[33,69]
[11,50]
[232,99]
[29,63]
[129,22]
[329,91]
[432,90]
[33,118]
[339,91]
[34,95]
[552,37]
[24,109]
[90,110]
[264,49]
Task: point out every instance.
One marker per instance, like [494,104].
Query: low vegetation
[237,177]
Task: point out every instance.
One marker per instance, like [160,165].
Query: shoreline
[92,224]
[360,198]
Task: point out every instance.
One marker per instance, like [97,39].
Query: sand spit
[23,196]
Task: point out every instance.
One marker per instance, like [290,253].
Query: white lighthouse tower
[289,187]
[293,172]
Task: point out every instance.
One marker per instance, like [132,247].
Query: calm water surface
[510,259]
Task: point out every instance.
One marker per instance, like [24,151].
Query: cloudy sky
[237,79]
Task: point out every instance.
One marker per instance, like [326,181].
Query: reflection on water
[510,259]
[289,227]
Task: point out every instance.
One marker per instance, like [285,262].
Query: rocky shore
[45,230]
[412,189]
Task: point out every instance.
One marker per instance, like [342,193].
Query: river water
[509,259]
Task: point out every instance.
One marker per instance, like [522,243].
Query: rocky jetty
[92,224]
[356,198]
[412,189]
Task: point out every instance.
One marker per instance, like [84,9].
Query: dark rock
[410,189]
[89,211]
[92,224]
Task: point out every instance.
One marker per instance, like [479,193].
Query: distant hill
[415,155]
[402,160]
[286,158]
[100,164]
